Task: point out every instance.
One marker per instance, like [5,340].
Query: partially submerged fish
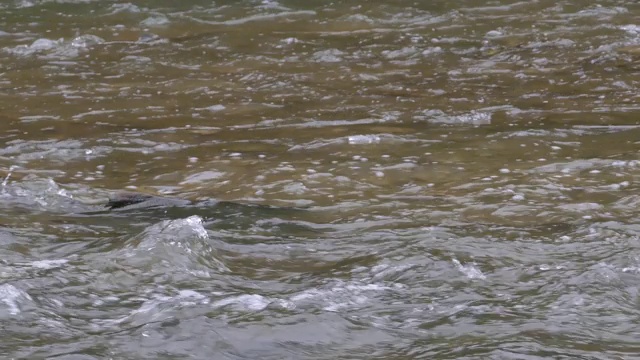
[132,200]
[124,201]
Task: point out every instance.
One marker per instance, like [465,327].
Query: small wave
[244,302]
[161,307]
[172,231]
[402,53]
[340,295]
[260,17]
[583,165]
[37,193]
[124,7]
[204,176]
[179,247]
[156,20]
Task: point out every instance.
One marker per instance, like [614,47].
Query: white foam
[631,29]
[330,56]
[56,48]
[432,50]
[190,294]
[363,139]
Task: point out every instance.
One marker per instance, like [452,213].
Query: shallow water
[444,180]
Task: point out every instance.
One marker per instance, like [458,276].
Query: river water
[443,179]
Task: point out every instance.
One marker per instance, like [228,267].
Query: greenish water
[451,179]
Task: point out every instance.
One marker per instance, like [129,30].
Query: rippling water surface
[442,179]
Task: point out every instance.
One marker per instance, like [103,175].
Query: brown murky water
[452,179]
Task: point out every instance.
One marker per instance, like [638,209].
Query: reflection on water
[380,180]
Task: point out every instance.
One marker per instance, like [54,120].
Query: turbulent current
[350,179]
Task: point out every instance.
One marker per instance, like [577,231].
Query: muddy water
[452,179]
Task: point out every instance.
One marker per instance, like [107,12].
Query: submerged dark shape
[130,200]
[125,200]
[226,214]
[161,206]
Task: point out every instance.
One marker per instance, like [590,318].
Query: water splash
[12,297]
[470,270]
[6,179]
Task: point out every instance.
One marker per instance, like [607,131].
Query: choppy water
[455,179]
